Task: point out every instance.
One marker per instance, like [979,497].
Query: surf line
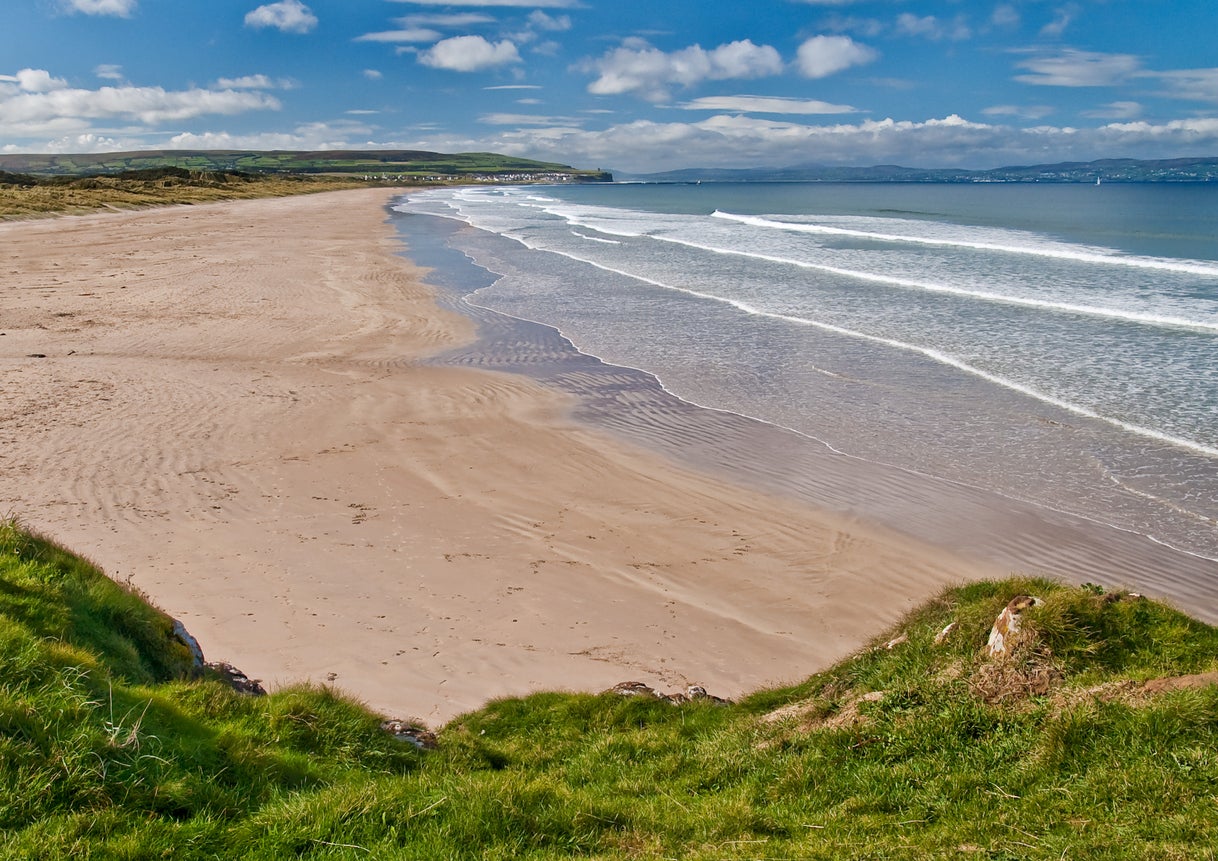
[910,284]
[932,354]
[1077,256]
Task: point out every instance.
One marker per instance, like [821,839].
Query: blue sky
[626,85]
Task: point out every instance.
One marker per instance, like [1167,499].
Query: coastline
[235,409]
[1005,532]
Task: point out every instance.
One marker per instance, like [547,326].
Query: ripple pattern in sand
[1015,535]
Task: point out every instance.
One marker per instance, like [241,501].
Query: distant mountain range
[1105,170]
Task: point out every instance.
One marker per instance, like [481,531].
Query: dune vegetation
[113,745]
[25,196]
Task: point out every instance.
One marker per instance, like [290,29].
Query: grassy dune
[108,749]
[31,197]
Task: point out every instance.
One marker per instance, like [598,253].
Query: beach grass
[111,747]
[33,197]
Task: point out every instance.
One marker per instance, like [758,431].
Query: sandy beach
[228,407]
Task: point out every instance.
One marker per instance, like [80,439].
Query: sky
[632,85]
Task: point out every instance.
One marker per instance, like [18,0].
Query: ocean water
[1056,345]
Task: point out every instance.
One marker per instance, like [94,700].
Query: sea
[1051,346]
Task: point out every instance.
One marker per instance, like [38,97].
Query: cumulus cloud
[736,141]
[288,16]
[636,67]
[308,136]
[109,72]
[469,54]
[34,103]
[31,81]
[765,105]
[117,8]
[822,56]
[1074,68]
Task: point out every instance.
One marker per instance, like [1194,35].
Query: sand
[227,406]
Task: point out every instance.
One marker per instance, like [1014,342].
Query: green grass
[391,162]
[109,750]
[24,196]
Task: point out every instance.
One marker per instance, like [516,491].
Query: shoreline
[236,410]
[634,406]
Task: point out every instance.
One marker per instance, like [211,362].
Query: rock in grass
[237,680]
[410,732]
[1004,636]
[693,693]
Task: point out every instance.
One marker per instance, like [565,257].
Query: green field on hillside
[919,747]
[406,163]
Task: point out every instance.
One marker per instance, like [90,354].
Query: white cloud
[637,67]
[822,56]
[735,141]
[531,4]
[1079,68]
[868,27]
[255,82]
[1194,84]
[412,34]
[542,21]
[33,103]
[118,8]
[109,72]
[310,136]
[1005,15]
[288,16]
[469,54]
[765,105]
[1027,112]
[457,19]
[1063,17]
[526,120]
[36,81]
[373,74]
[930,27]
[1115,111]
[1186,135]
[1074,68]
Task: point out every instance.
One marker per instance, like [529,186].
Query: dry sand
[231,415]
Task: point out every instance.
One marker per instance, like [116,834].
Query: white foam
[1131,316]
[928,352]
[1038,248]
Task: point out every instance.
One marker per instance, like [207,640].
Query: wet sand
[238,408]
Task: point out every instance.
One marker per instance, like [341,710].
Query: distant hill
[412,165]
[1106,170]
